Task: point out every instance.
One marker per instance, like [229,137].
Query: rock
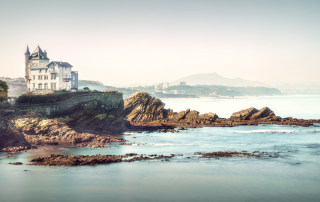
[54,131]
[145,113]
[10,136]
[181,115]
[263,113]
[11,156]
[208,116]
[16,163]
[141,107]
[65,160]
[243,114]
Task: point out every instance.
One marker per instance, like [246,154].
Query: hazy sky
[127,42]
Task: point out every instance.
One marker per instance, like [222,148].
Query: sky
[146,42]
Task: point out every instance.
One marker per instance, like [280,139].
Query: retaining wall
[108,100]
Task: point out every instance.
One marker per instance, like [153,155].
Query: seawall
[108,100]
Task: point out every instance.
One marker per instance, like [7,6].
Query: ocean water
[294,176]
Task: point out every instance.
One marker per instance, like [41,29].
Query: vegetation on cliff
[57,96]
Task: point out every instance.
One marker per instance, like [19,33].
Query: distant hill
[216,79]
[93,85]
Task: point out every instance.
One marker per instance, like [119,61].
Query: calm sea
[295,176]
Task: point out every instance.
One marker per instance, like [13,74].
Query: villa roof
[38,54]
[62,64]
[27,51]
[42,65]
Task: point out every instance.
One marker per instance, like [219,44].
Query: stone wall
[108,100]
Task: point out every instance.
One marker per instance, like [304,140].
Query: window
[46,70]
[34,86]
[53,86]
[74,78]
[40,86]
[45,86]
[39,77]
[40,71]
[34,77]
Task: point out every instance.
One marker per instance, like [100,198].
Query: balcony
[53,71]
[66,79]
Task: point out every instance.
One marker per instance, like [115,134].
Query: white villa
[42,75]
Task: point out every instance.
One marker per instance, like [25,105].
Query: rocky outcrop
[11,139]
[91,124]
[265,112]
[144,112]
[38,131]
[141,107]
[243,114]
[238,154]
[65,160]
[252,114]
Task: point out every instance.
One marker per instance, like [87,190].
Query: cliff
[90,119]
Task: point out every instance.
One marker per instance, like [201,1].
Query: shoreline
[241,97]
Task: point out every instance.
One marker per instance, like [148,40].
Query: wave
[279,131]
[170,144]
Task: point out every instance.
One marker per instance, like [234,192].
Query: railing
[67,79]
[53,71]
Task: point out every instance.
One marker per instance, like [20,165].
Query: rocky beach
[22,131]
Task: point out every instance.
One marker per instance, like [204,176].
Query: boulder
[141,107]
[209,116]
[243,114]
[263,113]
[192,115]
[180,115]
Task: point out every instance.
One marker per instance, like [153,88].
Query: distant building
[182,83]
[42,75]
[175,92]
[162,86]
[165,85]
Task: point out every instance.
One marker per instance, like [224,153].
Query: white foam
[279,131]
[170,144]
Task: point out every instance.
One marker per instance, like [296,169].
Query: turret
[27,56]
[45,53]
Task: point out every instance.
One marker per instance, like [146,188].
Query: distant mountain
[216,79]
